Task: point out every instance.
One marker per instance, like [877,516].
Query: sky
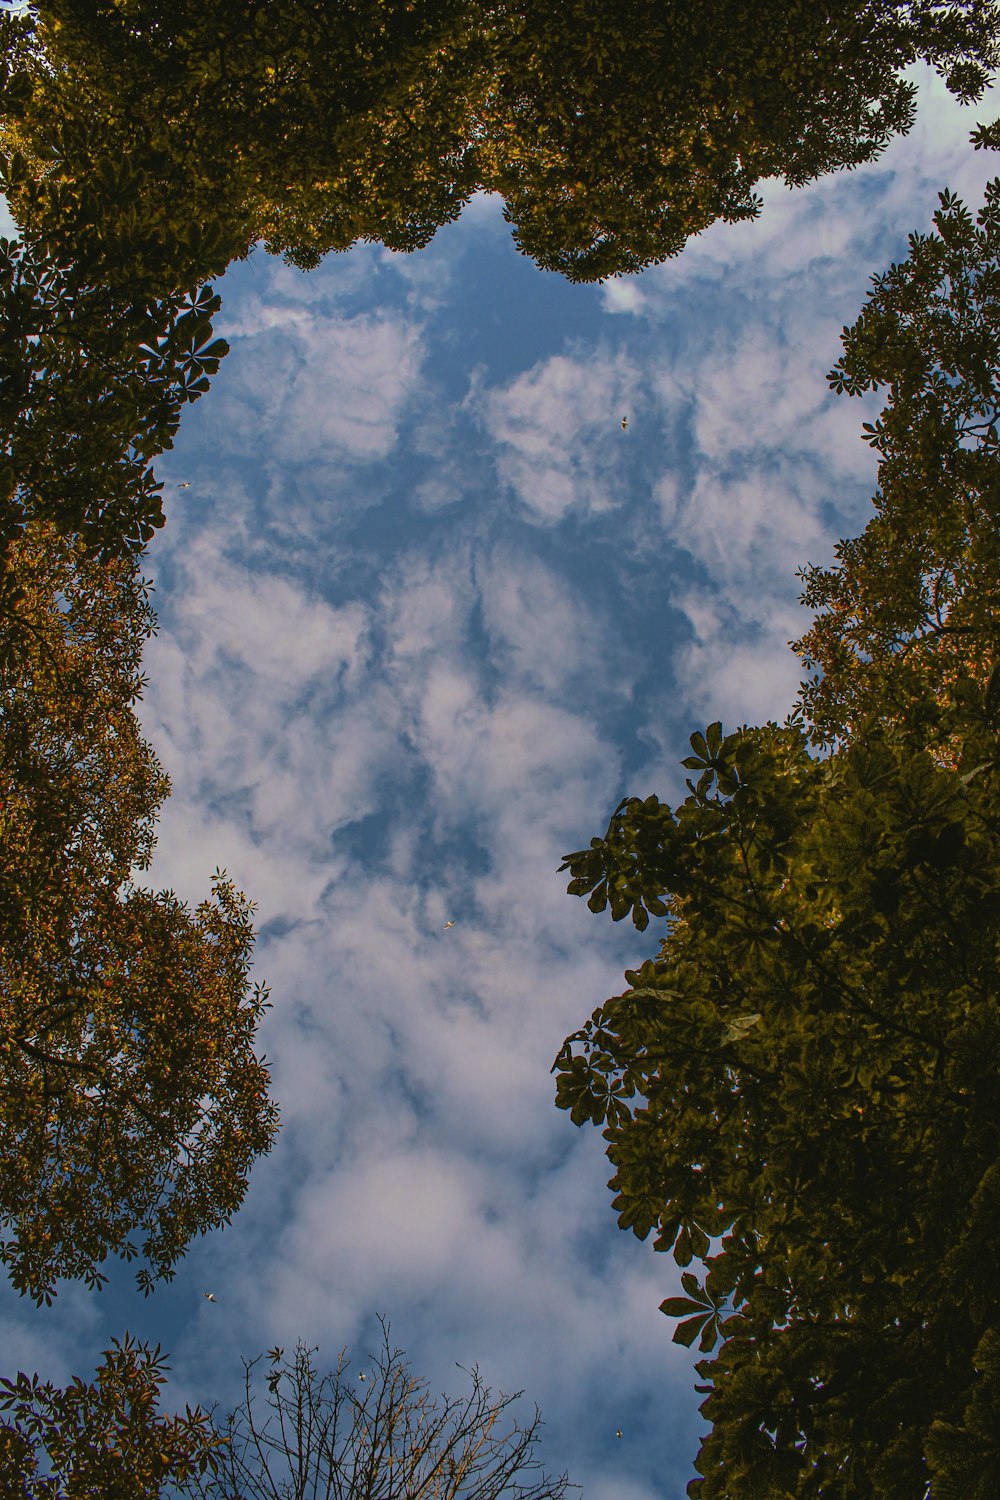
[426,614]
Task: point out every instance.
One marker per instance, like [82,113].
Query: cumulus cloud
[557,433]
[319,377]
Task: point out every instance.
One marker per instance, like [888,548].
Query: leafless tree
[379,1435]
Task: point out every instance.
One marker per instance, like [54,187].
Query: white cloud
[558,435]
[314,385]
[622,295]
[541,634]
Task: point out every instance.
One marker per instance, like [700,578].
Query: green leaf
[677,1307]
[686,1333]
[599,899]
[709,1335]
[740,1027]
[700,1242]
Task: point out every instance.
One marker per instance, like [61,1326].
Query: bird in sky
[618,1432]
[447,925]
[209,1296]
[185,486]
[624,423]
[362,1376]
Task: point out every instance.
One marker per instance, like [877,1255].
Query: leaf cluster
[105,1440]
[907,621]
[112,204]
[306,126]
[92,385]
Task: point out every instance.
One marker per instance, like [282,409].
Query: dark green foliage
[102,341]
[307,126]
[91,390]
[614,133]
[618,132]
[109,202]
[814,1053]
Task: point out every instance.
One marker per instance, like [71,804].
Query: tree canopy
[133,1103]
[308,126]
[812,1060]
[800,1091]
[613,133]
[616,133]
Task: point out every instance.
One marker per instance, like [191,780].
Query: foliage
[102,1441]
[383,1437]
[908,620]
[308,126]
[614,133]
[132,1100]
[109,203]
[814,1060]
[92,384]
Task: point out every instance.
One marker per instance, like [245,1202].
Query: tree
[801,1090]
[111,207]
[908,620]
[102,1441]
[383,1437]
[614,133]
[133,1103]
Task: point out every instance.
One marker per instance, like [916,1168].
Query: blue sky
[426,614]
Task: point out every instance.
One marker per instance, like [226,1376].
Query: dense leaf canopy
[814,1055]
[133,1104]
[801,1090]
[614,133]
[307,125]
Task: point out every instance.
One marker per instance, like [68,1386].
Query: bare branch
[399,1444]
